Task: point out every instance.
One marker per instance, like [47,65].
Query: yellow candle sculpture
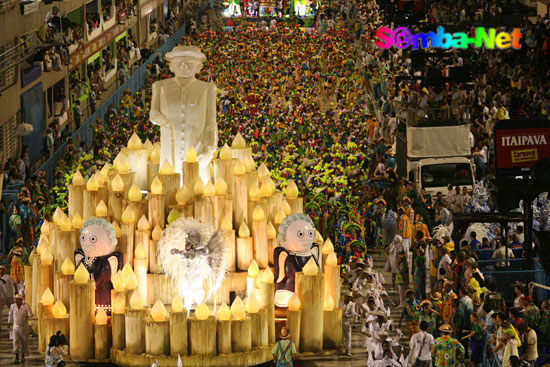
[331,259]
[78,179]
[157,233]
[156,186]
[239,169]
[101,209]
[285,207]
[244,232]
[209,189]
[166,168]
[328,247]
[67,268]
[158,311]
[202,312]
[253,269]
[292,190]
[238,309]
[329,303]
[128,215]
[224,313]
[47,298]
[221,186]
[92,184]
[59,310]
[135,193]
[238,142]
[81,275]
[252,304]
[136,301]
[310,268]
[267,276]
[258,213]
[177,304]
[225,153]
[77,221]
[101,316]
[191,155]
[173,215]
[46,257]
[117,184]
[294,303]
[135,142]
[119,281]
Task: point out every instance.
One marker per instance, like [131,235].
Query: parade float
[182,252]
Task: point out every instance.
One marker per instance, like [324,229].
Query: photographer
[56,350]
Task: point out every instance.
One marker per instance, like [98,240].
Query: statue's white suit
[185,110]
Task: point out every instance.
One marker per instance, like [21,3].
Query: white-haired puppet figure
[296,234]
[193,254]
[98,255]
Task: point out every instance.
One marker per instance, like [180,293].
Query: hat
[410,290]
[380,201]
[471,260]
[407,198]
[185,51]
[425,302]
[509,332]
[348,294]
[287,336]
[436,296]
[19,296]
[378,313]
[446,328]
[2,267]
[383,333]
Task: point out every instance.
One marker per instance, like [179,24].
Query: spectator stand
[134,84]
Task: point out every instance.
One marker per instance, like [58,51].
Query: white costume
[392,250]
[185,109]
[19,317]
[349,315]
[7,287]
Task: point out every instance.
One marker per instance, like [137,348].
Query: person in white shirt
[18,319]
[445,262]
[7,289]
[349,316]
[421,347]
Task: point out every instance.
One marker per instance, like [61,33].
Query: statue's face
[299,236]
[95,242]
[185,67]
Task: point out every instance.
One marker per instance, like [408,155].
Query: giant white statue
[185,110]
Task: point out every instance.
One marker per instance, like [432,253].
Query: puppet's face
[299,236]
[95,242]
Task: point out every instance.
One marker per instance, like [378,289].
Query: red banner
[517,148]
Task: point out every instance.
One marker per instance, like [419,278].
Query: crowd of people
[321,107]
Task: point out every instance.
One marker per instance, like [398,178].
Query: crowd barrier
[506,280]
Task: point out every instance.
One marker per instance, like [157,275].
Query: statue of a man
[185,110]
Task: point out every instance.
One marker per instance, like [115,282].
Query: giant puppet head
[296,234]
[193,254]
[98,255]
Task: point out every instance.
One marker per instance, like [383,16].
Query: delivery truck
[435,154]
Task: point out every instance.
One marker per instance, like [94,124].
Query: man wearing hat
[406,233]
[447,304]
[19,315]
[284,350]
[7,289]
[349,316]
[410,312]
[185,110]
[447,351]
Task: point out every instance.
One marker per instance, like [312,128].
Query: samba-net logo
[402,38]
